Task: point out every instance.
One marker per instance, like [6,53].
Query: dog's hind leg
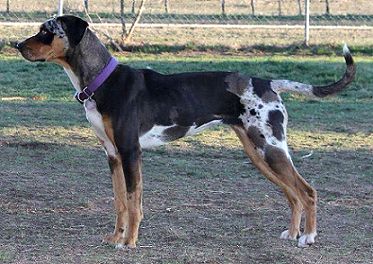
[274,163]
[284,169]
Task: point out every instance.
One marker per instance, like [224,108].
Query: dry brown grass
[217,38]
[263,7]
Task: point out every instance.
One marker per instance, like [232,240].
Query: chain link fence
[203,24]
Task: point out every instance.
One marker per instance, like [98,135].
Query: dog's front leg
[127,187]
[120,202]
[103,127]
[128,146]
[131,161]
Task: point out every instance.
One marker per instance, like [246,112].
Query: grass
[284,40]
[237,18]
[203,201]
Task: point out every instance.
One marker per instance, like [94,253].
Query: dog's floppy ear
[74,28]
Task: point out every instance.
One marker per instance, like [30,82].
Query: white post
[307,22]
[60,8]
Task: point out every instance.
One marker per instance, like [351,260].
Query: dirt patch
[28,145]
[210,208]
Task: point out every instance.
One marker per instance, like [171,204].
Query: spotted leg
[274,163]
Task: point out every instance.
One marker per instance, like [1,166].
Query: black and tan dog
[131,109]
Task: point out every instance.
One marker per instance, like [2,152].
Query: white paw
[307,240]
[119,246]
[286,235]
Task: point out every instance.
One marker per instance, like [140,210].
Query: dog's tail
[319,91]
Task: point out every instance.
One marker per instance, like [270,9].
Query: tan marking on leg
[133,200]
[255,157]
[296,214]
[108,128]
[120,201]
[119,189]
[288,174]
[135,209]
[280,170]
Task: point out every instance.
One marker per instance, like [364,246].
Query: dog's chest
[95,119]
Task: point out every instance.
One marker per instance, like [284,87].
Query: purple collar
[92,87]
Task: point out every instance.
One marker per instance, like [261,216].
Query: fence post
[279,7]
[166,6]
[7,6]
[133,6]
[299,7]
[86,5]
[307,22]
[60,8]
[327,8]
[122,20]
[222,3]
[252,3]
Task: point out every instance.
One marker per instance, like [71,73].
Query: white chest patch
[73,78]
[95,119]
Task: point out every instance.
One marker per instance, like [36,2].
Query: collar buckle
[90,89]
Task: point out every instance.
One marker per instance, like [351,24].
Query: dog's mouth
[29,55]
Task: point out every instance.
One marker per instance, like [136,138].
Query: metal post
[60,8]
[307,22]
[222,3]
[86,5]
[7,6]
[166,6]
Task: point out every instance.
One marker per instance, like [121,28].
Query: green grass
[43,98]
[336,122]
[312,70]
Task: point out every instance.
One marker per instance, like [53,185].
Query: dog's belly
[159,135]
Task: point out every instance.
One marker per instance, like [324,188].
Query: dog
[133,109]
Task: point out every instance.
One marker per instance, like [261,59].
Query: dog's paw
[111,239]
[124,246]
[131,245]
[120,246]
[118,241]
[114,239]
[307,240]
[286,235]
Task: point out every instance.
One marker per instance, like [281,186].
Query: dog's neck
[86,60]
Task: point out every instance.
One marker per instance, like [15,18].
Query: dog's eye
[44,32]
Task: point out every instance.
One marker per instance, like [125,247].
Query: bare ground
[207,206]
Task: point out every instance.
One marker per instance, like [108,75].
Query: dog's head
[56,37]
